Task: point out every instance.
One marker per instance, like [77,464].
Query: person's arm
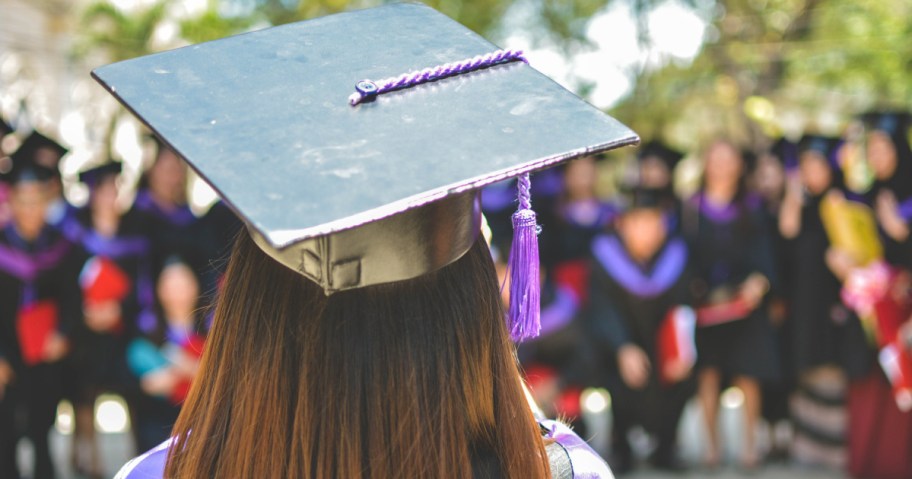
[790,211]
[611,330]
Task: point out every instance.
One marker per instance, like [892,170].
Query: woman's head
[724,166]
[580,177]
[28,205]
[881,154]
[103,197]
[408,379]
[167,177]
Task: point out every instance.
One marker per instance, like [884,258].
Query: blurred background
[682,72]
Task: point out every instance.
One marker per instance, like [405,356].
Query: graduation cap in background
[25,170]
[661,151]
[894,123]
[93,176]
[640,197]
[354,182]
[32,149]
[826,147]
[786,152]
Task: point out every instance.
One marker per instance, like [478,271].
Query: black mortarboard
[93,176]
[786,152]
[894,123]
[34,142]
[661,151]
[825,146]
[382,191]
[641,197]
[22,171]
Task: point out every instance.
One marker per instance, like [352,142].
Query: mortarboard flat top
[35,141]
[93,175]
[264,118]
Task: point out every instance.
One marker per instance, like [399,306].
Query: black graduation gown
[43,270]
[177,232]
[99,358]
[628,302]
[823,331]
[727,245]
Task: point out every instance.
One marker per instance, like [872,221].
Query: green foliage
[120,36]
[780,66]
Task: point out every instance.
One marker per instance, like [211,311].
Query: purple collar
[26,266]
[611,255]
[589,214]
[586,463]
[180,216]
[559,312]
[905,209]
[114,247]
[723,213]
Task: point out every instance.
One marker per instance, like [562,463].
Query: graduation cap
[893,123]
[93,176]
[824,146]
[355,182]
[641,197]
[786,152]
[24,171]
[36,141]
[657,149]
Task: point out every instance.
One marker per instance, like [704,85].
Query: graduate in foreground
[360,332]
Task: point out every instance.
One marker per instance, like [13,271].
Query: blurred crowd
[784,273]
[99,299]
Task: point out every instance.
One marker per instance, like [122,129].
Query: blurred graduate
[727,230]
[39,306]
[641,318]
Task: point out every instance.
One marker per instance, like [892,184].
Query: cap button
[367,89]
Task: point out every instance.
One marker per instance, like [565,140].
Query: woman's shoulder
[569,456]
[150,465]
[583,461]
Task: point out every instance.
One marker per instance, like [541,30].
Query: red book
[676,343]
[34,325]
[102,280]
[723,312]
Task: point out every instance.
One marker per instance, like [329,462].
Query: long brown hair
[411,379]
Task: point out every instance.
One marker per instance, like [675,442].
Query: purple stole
[668,267]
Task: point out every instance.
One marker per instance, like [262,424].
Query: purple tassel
[525,288]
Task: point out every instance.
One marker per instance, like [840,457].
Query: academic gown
[879,434]
[628,302]
[569,457]
[100,357]
[729,243]
[175,232]
[42,272]
[823,330]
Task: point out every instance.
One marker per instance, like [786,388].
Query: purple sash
[114,247]
[26,266]
[181,216]
[559,312]
[610,254]
[723,213]
[905,209]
